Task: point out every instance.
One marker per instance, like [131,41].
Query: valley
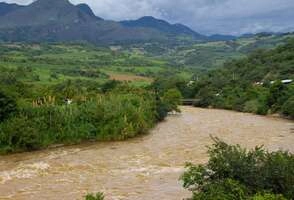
[91,100]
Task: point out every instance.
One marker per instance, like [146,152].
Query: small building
[258,83]
[286,81]
[68,101]
[190,83]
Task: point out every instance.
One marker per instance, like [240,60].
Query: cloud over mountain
[205,16]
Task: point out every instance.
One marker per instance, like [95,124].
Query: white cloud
[206,16]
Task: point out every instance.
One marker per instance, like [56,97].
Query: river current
[144,168]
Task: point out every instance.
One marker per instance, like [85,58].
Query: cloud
[205,16]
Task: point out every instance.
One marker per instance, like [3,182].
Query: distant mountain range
[61,21]
[162,26]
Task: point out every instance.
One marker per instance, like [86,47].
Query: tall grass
[105,117]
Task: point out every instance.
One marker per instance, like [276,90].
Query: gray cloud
[205,16]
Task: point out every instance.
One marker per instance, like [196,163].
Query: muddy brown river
[144,168]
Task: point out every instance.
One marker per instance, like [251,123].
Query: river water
[144,168]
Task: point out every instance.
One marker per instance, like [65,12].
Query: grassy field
[139,64]
[210,55]
[56,63]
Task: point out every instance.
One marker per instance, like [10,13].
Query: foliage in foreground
[234,173]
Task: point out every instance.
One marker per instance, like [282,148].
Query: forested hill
[260,66]
[252,84]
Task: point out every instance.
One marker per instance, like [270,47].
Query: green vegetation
[288,107]
[39,82]
[105,117]
[98,196]
[7,106]
[252,84]
[235,173]
[246,84]
[36,116]
[172,98]
[61,93]
[211,55]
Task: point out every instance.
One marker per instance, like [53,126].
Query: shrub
[7,106]
[251,106]
[18,133]
[268,196]
[98,196]
[251,172]
[288,107]
[161,110]
[172,98]
[227,189]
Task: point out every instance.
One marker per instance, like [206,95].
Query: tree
[7,106]
[288,107]
[172,98]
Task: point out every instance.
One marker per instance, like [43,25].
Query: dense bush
[235,173]
[116,113]
[106,117]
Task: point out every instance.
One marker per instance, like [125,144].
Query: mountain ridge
[6,8]
[61,21]
[163,26]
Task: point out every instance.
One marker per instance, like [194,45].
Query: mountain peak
[51,2]
[6,8]
[60,1]
[147,18]
[86,9]
[48,12]
[151,19]
[162,26]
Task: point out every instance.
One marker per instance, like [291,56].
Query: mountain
[86,9]
[45,12]
[162,26]
[61,21]
[6,8]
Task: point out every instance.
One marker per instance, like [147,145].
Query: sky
[234,17]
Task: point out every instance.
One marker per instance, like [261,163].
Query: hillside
[252,84]
[261,66]
[210,54]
